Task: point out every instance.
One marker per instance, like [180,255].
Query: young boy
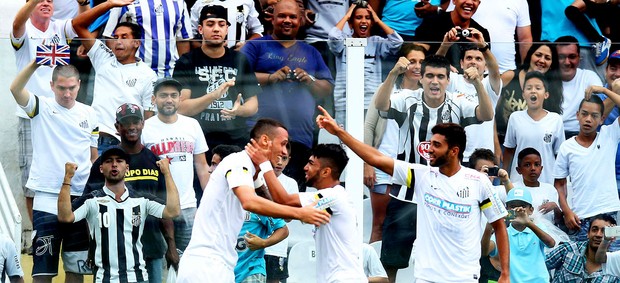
[483,160]
[544,195]
[527,240]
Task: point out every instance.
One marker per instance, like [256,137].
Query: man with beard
[143,176]
[179,139]
[336,245]
[575,261]
[116,217]
[451,199]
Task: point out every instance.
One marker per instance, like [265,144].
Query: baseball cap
[214,12]
[128,110]
[614,57]
[115,151]
[167,81]
[522,194]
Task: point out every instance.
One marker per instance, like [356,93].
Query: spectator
[143,177]
[361,19]
[166,27]
[291,74]
[242,14]
[69,128]
[527,240]
[121,77]
[577,13]
[541,57]
[612,83]
[438,189]
[325,16]
[116,217]
[336,247]
[397,14]
[219,88]
[608,260]
[372,265]
[210,256]
[534,127]
[475,59]
[33,25]
[219,152]
[382,134]
[574,82]
[10,266]
[483,160]
[574,261]
[433,29]
[544,195]
[585,158]
[177,138]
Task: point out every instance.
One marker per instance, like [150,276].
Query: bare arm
[601,252]
[183,46]
[257,243]
[172,256]
[202,169]
[509,153]
[503,248]
[571,219]
[382,96]
[65,213]
[192,106]
[173,204]
[524,38]
[18,85]
[93,154]
[493,69]
[611,96]
[487,245]
[83,20]
[247,109]
[484,111]
[340,25]
[19,23]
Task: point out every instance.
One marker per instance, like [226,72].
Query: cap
[614,57]
[128,110]
[522,194]
[115,151]
[214,12]
[167,81]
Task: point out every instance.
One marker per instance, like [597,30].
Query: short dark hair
[65,71]
[525,152]
[224,150]
[481,154]
[406,48]
[136,30]
[604,217]
[468,47]
[265,126]
[332,156]
[454,134]
[536,75]
[593,99]
[436,61]
[567,40]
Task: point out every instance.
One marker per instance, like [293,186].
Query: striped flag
[53,55]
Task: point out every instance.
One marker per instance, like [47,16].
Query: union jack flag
[53,55]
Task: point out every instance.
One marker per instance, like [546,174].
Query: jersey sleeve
[115,18]
[12,266]
[372,262]
[254,25]
[18,42]
[154,208]
[100,54]
[468,111]
[560,169]
[510,141]
[612,266]
[398,109]
[523,14]
[194,16]
[184,24]
[239,175]
[67,29]
[490,203]
[33,107]
[307,198]
[83,211]
[94,133]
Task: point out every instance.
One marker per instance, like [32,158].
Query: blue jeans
[155,269]
[183,225]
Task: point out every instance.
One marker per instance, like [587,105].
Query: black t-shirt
[202,74]
[143,178]
[432,30]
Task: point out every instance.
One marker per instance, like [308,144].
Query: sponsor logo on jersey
[447,207]
[136,219]
[423,148]
[547,138]
[463,193]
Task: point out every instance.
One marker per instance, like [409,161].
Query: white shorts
[205,269]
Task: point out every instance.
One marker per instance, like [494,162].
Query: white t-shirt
[280,249]
[60,135]
[241,13]
[372,262]
[501,18]
[178,142]
[573,92]
[591,171]
[540,195]
[612,266]
[9,259]
[65,9]
[220,215]
[337,246]
[26,49]
[545,135]
[449,220]
[116,84]
[478,135]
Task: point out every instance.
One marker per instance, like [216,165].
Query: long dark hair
[405,49]
[554,102]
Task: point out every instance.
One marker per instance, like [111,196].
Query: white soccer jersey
[26,49]
[220,215]
[116,228]
[449,219]
[242,16]
[9,259]
[416,120]
[592,172]
[164,22]
[545,135]
[337,247]
[178,142]
[478,135]
[60,135]
[117,84]
[280,249]
[540,195]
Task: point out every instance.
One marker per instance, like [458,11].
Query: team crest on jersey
[423,148]
[463,193]
[159,10]
[240,15]
[131,82]
[547,138]
[84,124]
[136,219]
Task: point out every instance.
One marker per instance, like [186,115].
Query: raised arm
[601,252]
[19,23]
[382,96]
[65,213]
[18,85]
[340,25]
[611,95]
[484,111]
[82,21]
[173,205]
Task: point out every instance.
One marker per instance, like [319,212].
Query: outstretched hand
[325,121]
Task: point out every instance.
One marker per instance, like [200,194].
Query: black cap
[115,151]
[167,81]
[214,12]
[128,110]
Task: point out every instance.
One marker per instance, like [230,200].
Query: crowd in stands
[158,141]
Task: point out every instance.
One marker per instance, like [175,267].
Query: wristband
[66,184]
[265,167]
[259,182]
